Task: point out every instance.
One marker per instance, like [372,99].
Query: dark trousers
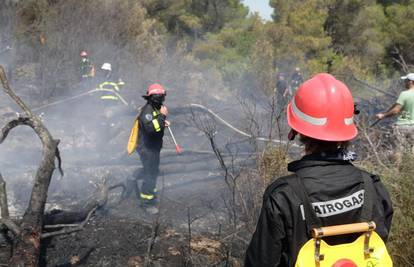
[150,159]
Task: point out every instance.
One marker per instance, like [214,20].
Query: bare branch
[11,226]
[76,227]
[3,199]
[57,155]
[363,129]
[10,92]
[28,122]
[401,61]
[13,124]
[234,128]
[151,242]
[189,231]
[27,245]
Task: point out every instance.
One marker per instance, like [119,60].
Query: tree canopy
[366,38]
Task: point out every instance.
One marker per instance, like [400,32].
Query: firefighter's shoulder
[277,185]
[146,112]
[375,178]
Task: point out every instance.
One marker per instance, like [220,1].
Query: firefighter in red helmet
[152,121]
[325,188]
[87,69]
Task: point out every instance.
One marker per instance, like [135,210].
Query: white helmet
[106,66]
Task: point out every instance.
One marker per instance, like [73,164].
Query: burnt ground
[192,189]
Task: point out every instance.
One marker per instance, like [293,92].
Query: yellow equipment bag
[133,138]
[368,250]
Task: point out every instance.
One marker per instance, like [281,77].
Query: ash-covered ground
[194,196]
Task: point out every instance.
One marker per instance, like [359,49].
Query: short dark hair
[314,145]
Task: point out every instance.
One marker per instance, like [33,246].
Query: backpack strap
[368,206]
[311,219]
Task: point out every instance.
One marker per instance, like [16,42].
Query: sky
[261,6]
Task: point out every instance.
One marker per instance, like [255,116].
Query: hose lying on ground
[80,95]
[239,131]
[191,106]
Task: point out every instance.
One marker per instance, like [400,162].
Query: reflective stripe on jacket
[109,86]
[334,186]
[151,125]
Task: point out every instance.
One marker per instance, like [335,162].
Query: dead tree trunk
[26,246]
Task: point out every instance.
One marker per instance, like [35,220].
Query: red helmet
[83,53]
[155,89]
[323,108]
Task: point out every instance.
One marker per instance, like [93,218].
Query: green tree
[195,17]
[111,31]
[358,30]
[230,49]
[400,28]
[299,35]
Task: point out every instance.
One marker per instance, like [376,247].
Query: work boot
[153,210]
[149,205]
[148,202]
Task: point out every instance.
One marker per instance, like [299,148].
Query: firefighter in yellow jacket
[110,89]
[111,104]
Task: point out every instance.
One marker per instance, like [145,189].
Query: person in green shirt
[404,108]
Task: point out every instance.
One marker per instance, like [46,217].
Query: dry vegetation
[185,47]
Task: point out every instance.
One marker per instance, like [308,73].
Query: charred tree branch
[28,122]
[151,242]
[11,226]
[74,227]
[57,155]
[10,92]
[26,247]
[69,218]
[5,210]
[13,124]
[3,199]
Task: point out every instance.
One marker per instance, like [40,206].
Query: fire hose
[240,131]
[83,94]
[177,147]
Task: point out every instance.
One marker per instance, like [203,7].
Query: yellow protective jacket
[107,95]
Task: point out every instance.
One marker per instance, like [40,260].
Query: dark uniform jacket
[151,128]
[336,189]
[86,68]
